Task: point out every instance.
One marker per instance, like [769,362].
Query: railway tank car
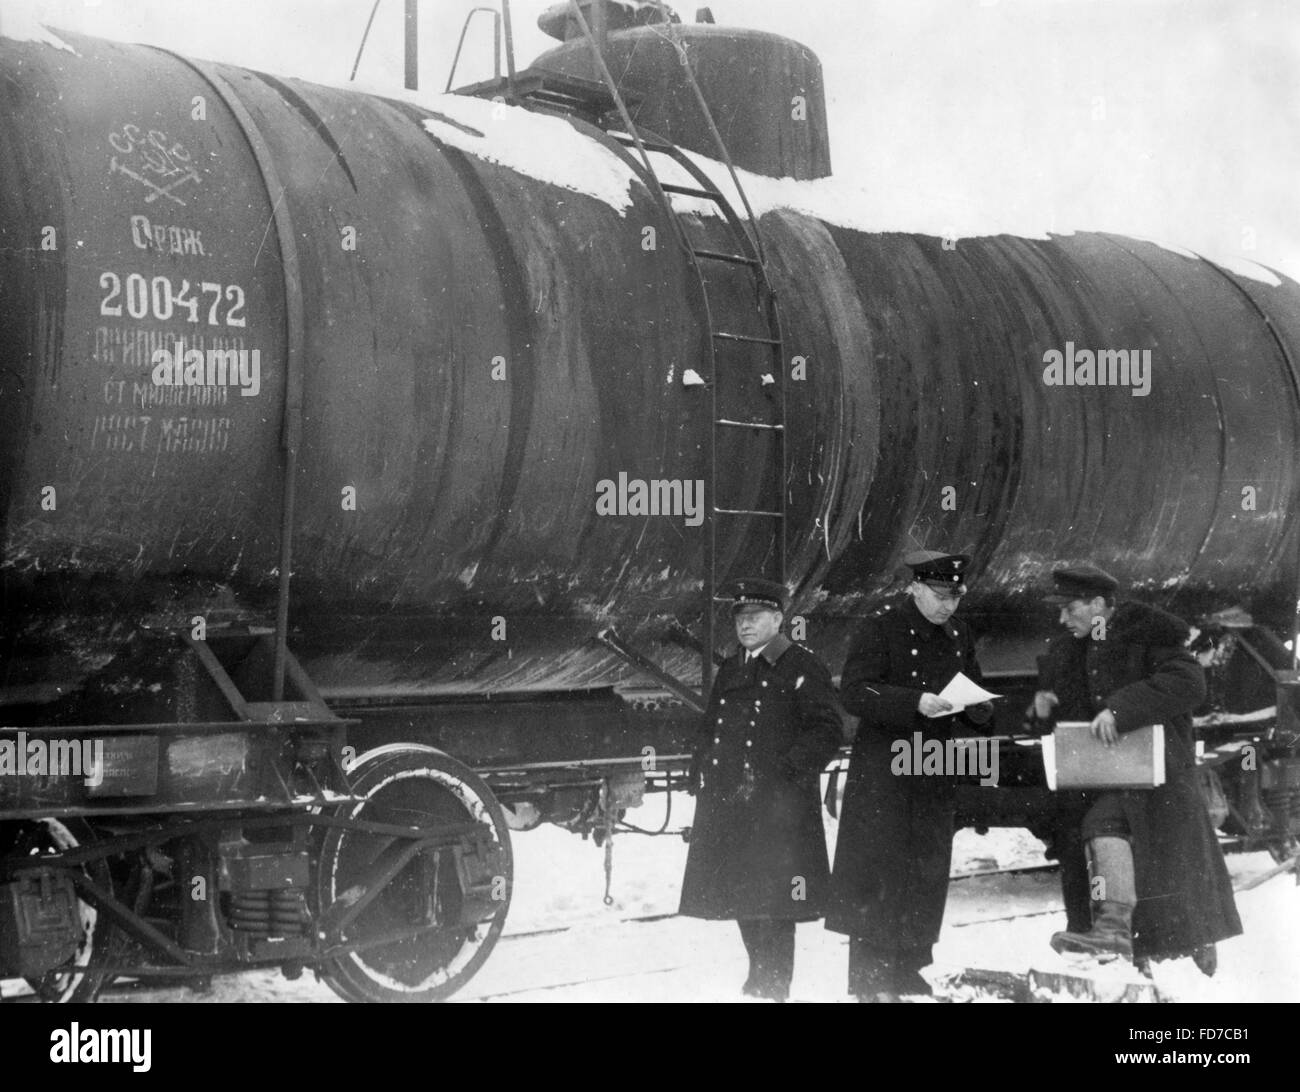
[363,455]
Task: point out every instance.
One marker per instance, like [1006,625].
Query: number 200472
[160,299]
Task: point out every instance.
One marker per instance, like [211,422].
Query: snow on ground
[562,944]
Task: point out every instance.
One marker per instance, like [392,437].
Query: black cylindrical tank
[485,337]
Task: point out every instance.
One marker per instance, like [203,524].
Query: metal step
[748,424]
[573,93]
[721,336]
[747,512]
[691,191]
[648,145]
[719,256]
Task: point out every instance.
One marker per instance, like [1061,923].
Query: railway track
[546,962]
[546,957]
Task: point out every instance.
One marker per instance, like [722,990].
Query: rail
[750,255]
[718,142]
[411,43]
[496,43]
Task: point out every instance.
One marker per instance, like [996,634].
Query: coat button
[723,701]
[749,743]
[914,652]
[719,720]
[764,683]
[914,674]
[752,724]
[717,739]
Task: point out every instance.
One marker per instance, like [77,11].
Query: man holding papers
[890,880]
[1121,667]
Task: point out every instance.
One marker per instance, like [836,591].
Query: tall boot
[1112,917]
[871,971]
[1073,857]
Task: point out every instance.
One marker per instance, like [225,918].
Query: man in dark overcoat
[757,847]
[1161,888]
[894,850]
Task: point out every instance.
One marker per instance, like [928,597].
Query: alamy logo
[961,757]
[1105,368]
[189,368]
[41,757]
[121,1046]
[634,497]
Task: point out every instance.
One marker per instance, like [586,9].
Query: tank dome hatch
[558,20]
[765,91]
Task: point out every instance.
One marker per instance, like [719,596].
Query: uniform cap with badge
[755,591]
[941,571]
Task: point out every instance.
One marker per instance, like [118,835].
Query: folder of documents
[1073,759]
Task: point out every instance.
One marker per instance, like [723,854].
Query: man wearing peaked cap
[939,571]
[890,881]
[756,591]
[1081,582]
[1164,889]
[758,848]
[1070,584]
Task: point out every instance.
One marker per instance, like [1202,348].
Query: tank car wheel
[408,783]
[79,981]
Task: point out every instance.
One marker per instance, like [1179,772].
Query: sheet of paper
[962,692]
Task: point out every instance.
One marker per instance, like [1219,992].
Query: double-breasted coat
[758,846]
[894,849]
[1142,672]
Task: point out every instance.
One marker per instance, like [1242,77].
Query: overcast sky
[1177,120]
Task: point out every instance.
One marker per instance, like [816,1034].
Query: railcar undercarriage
[343,837]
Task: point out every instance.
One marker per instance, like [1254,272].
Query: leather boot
[1112,918]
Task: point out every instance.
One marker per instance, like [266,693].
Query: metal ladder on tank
[750,255]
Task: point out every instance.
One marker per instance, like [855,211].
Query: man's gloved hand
[931,705]
[981,713]
[1103,728]
[1044,702]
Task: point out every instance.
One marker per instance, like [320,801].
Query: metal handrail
[496,43]
[364,38]
[754,244]
[721,145]
[510,52]
[628,124]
